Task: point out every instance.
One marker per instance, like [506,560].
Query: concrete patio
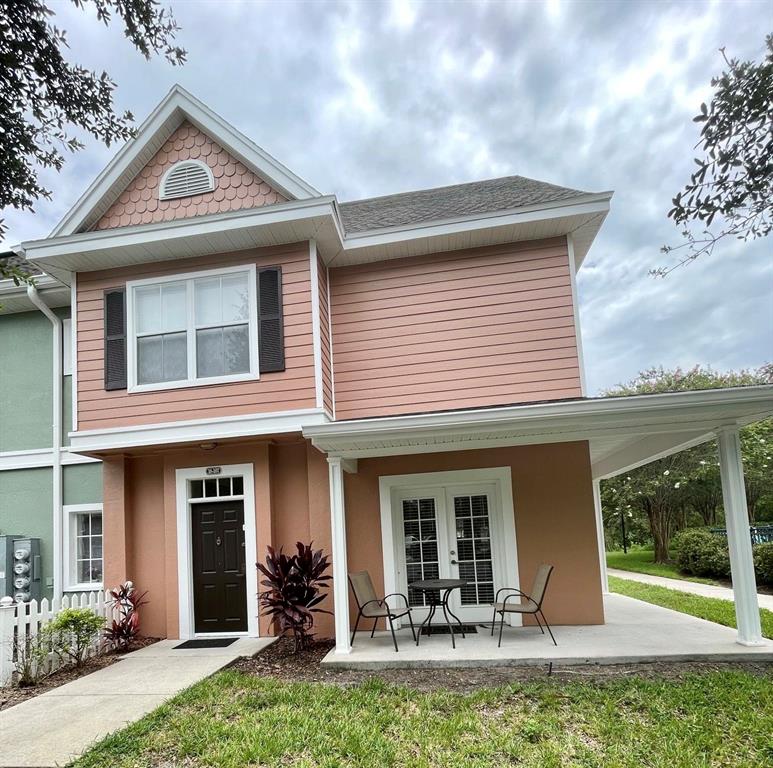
[634,632]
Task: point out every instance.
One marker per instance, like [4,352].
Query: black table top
[435,584]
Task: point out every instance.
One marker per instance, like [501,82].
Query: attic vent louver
[189,177]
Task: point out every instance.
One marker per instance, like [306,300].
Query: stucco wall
[553,498]
[554,518]
[26,348]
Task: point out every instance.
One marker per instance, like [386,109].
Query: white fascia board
[39,457]
[41,251]
[198,430]
[586,205]
[648,411]
[176,106]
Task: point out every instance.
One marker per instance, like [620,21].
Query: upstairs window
[193,329]
[186,178]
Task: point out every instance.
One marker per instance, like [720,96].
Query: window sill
[92,587]
[190,384]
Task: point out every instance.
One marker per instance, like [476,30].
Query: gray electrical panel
[20,568]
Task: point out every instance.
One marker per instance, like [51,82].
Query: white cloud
[367,98]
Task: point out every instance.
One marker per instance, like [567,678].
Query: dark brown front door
[219,586]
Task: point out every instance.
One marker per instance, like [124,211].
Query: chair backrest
[362,586]
[541,583]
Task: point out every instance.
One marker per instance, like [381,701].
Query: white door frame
[184,553]
[503,536]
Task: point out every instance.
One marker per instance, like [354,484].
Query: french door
[449,532]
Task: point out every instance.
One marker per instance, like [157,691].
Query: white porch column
[747,612]
[340,567]
[600,536]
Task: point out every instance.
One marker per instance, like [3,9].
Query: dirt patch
[279,661]
[15,695]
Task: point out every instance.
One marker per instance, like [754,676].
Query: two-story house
[398,379]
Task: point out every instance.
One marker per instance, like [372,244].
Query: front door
[450,532]
[219,583]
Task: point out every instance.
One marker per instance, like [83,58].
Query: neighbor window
[197,329]
[84,567]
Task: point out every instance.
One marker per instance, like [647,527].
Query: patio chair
[370,606]
[527,604]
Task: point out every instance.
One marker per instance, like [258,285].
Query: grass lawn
[234,720]
[641,561]
[711,608]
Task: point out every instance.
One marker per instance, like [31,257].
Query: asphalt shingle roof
[449,202]
[12,260]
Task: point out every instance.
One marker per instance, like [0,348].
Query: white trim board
[40,457]
[576,308]
[197,430]
[500,477]
[316,328]
[184,555]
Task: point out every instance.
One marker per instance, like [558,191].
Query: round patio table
[438,591]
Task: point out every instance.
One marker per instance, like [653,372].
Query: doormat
[442,629]
[208,642]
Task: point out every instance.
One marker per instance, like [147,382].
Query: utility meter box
[20,568]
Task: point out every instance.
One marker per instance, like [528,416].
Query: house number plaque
[214,470]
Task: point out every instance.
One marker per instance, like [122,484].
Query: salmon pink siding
[236,186]
[461,329]
[286,390]
[324,322]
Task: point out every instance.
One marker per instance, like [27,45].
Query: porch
[634,632]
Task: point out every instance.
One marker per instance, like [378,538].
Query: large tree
[43,96]
[666,494]
[730,193]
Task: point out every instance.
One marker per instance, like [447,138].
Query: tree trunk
[659,516]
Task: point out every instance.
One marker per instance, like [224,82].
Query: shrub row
[702,553]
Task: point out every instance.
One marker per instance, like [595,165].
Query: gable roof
[457,200]
[178,105]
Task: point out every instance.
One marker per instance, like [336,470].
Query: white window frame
[70,511]
[189,279]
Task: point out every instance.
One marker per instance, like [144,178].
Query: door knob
[217,541]
[454,562]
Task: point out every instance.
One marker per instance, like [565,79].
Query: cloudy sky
[368,98]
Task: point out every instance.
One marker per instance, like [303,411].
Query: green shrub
[763,562]
[73,631]
[702,553]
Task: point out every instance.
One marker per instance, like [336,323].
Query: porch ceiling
[623,432]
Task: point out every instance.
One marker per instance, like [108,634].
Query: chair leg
[354,631]
[375,624]
[548,626]
[392,629]
[493,621]
[536,618]
[410,621]
[501,627]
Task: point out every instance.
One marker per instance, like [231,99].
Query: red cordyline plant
[126,628]
[295,586]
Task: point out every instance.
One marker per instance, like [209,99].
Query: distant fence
[25,620]
[760,533]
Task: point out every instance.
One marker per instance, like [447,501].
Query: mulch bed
[279,661]
[15,695]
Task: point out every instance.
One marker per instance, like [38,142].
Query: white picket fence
[18,620]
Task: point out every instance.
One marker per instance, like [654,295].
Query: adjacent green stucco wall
[26,349]
[26,504]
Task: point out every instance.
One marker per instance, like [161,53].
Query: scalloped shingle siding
[236,187]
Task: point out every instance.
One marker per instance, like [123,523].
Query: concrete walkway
[54,728]
[705,590]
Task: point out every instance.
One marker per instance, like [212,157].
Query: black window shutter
[115,338]
[271,346]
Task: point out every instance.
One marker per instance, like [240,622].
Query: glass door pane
[420,542]
[473,546]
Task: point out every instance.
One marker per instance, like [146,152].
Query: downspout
[56,429]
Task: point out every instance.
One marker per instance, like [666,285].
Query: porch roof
[623,432]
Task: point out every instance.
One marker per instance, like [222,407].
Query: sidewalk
[705,590]
[54,728]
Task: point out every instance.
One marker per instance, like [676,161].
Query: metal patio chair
[370,606]
[527,604]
